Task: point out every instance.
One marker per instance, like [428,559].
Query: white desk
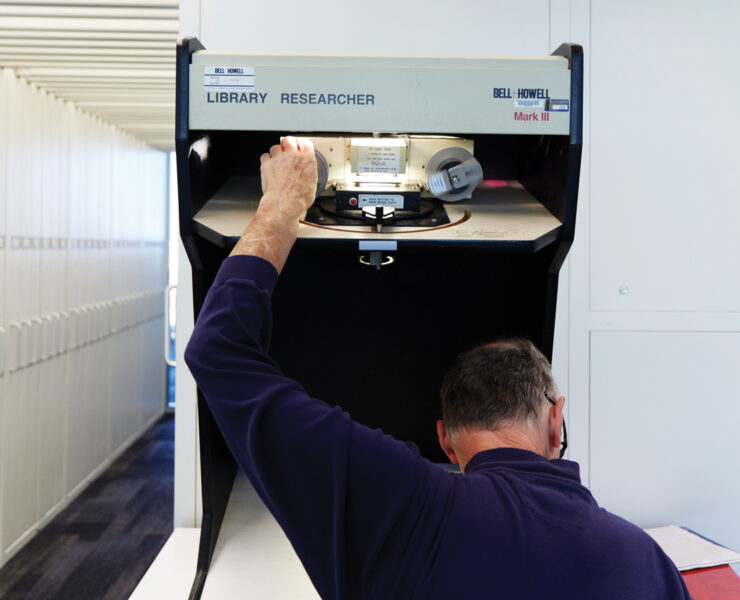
[171,574]
[252,553]
[252,558]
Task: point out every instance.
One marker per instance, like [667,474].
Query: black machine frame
[450,296]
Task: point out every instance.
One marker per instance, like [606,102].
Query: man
[366,514]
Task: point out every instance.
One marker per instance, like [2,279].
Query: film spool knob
[453,173]
[322,168]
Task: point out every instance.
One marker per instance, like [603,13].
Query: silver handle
[167,356]
[86,322]
[36,339]
[2,352]
[25,356]
[73,329]
[63,333]
[56,333]
[17,362]
[47,339]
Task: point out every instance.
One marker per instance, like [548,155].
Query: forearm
[271,233]
[289,184]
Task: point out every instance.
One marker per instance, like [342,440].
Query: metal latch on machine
[375,249]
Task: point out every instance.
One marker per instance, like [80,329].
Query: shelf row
[30,341]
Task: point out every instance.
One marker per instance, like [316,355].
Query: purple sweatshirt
[369,517]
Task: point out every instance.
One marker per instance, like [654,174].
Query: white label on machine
[529,103]
[241,78]
[558,105]
[378,159]
[394,200]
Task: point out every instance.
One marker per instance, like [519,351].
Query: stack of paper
[690,551]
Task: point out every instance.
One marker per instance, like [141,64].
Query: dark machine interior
[379,342]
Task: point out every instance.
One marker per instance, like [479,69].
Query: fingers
[305,144]
[287,144]
[290,142]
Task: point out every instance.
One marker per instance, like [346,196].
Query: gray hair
[497,384]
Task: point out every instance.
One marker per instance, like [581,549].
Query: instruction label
[237,78]
[378,159]
[394,200]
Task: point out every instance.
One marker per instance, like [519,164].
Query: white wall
[647,329]
[82,269]
[662,281]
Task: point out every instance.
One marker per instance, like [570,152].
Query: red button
[353,201]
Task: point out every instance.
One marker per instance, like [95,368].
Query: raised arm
[347,496]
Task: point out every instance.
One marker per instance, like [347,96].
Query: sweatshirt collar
[522,460]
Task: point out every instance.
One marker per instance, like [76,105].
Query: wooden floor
[100,546]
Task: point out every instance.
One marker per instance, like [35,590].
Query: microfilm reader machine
[445,206]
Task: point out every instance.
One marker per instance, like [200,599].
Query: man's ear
[445,443]
[556,426]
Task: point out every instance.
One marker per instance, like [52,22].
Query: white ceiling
[113,58]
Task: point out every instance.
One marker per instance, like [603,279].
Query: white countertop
[504,212]
[252,554]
